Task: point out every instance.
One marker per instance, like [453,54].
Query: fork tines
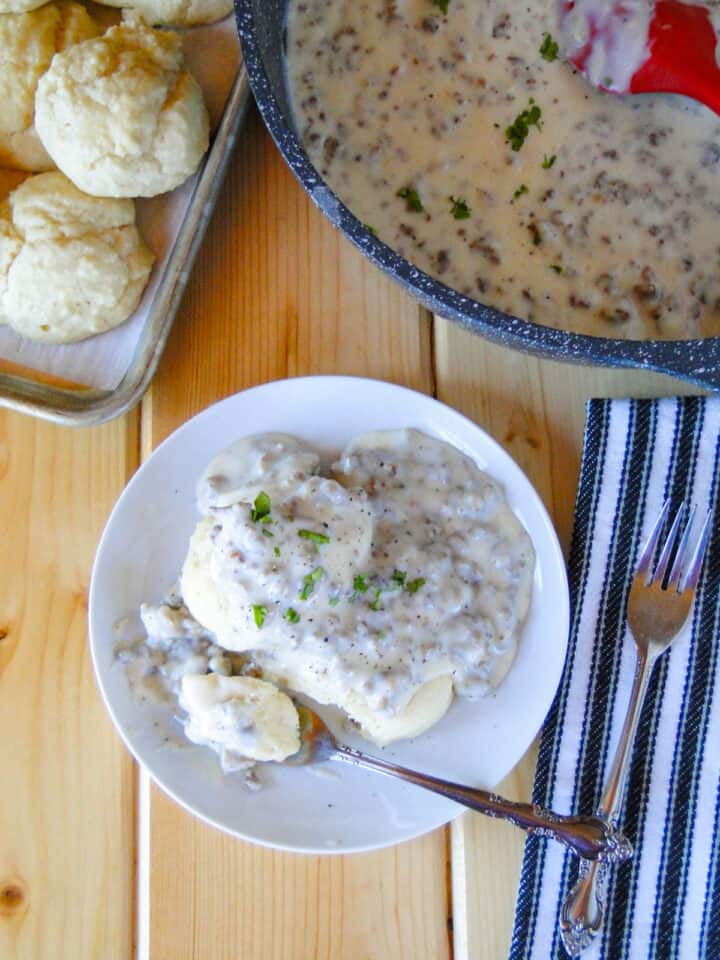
[686,565]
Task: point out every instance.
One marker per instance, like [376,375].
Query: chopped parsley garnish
[459,209]
[517,132]
[412,199]
[556,267]
[309,582]
[376,605]
[372,230]
[268,533]
[315,537]
[549,48]
[261,511]
[276,551]
[334,601]
[360,583]
[520,191]
[607,82]
[259,614]
[292,616]
[398,577]
[414,585]
[535,234]
[442,5]
[548,161]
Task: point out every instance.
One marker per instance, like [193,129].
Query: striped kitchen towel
[664,903]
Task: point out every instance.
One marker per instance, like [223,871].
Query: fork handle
[612,797]
[590,837]
[582,912]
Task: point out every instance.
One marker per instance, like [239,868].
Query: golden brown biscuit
[179,13]
[19,6]
[28,42]
[71,265]
[120,115]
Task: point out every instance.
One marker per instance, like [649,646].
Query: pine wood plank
[67,798]
[277,292]
[536,410]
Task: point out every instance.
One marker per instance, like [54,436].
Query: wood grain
[67,798]
[536,410]
[277,292]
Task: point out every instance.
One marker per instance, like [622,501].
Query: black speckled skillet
[261,25]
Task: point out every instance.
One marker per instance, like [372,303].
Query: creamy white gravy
[406,565]
[603,222]
[401,571]
[172,645]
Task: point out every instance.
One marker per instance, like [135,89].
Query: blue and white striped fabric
[665,903]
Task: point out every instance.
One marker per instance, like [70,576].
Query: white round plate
[333,807]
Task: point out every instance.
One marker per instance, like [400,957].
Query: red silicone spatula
[638,46]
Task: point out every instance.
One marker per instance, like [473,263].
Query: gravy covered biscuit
[71,265]
[380,590]
[179,13]
[28,42]
[384,584]
[120,115]
[241,718]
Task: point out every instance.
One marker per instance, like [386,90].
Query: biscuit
[71,265]
[19,6]
[10,246]
[28,42]
[179,13]
[120,115]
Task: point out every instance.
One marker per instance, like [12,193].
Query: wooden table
[94,861]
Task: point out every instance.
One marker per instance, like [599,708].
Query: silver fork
[591,838]
[658,607]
